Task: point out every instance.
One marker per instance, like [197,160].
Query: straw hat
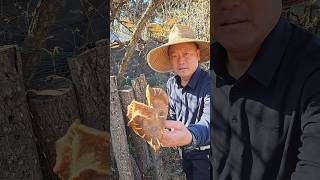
[158,58]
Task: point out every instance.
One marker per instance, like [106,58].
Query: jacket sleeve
[201,129]
[308,166]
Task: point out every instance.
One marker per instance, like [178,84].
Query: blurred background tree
[305,14]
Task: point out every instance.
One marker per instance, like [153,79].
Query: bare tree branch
[121,22]
[136,36]
[114,10]
[138,8]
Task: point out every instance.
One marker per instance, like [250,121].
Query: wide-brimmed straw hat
[158,58]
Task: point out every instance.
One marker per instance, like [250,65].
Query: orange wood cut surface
[148,120]
[82,154]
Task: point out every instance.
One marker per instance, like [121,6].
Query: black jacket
[266,125]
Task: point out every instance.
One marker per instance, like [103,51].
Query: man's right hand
[178,136]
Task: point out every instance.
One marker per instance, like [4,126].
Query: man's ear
[198,54]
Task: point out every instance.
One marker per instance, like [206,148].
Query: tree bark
[90,75]
[115,172]
[118,134]
[54,108]
[18,152]
[151,9]
[140,147]
[136,172]
[139,86]
[168,164]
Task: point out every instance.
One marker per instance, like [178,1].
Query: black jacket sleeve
[308,166]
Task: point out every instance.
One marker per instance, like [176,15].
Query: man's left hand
[178,136]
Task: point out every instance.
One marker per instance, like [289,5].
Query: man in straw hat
[189,98]
[266,90]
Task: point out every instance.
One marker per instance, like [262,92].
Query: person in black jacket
[265,118]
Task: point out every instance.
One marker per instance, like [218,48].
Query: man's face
[184,59]
[240,25]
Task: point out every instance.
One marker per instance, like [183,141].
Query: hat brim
[158,58]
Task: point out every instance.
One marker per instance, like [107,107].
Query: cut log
[82,153]
[167,162]
[140,148]
[114,169]
[54,107]
[136,171]
[168,165]
[139,88]
[118,134]
[18,151]
[90,75]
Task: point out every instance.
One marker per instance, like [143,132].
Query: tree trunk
[168,164]
[54,108]
[140,147]
[118,134]
[114,169]
[18,151]
[135,168]
[90,75]
[139,85]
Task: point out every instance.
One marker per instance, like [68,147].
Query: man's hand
[178,136]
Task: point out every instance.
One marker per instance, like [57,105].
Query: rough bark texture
[168,164]
[139,88]
[135,168]
[118,134]
[18,153]
[139,147]
[54,108]
[114,169]
[90,75]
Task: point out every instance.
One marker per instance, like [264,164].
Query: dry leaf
[171,21]
[155,27]
[128,23]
